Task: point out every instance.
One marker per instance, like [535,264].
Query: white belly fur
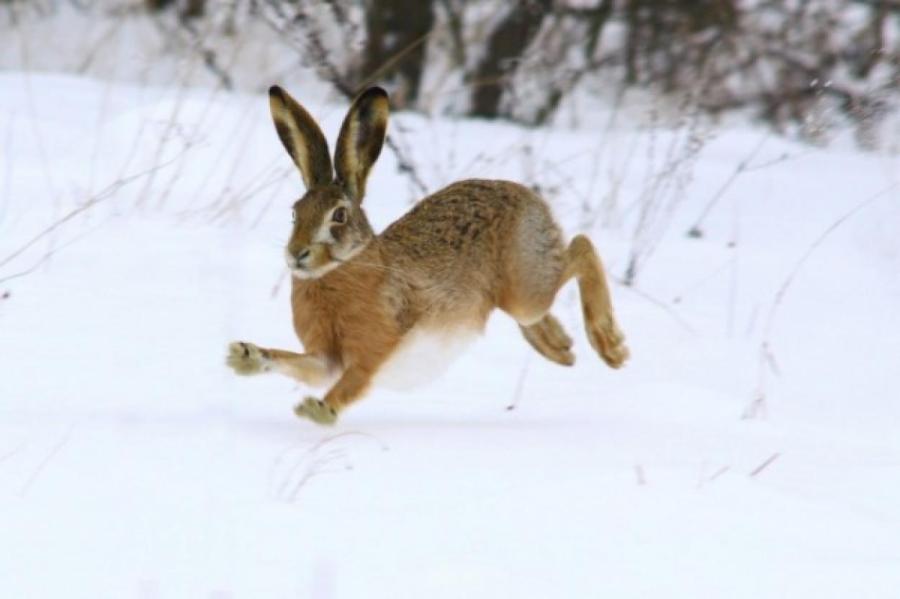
[423,356]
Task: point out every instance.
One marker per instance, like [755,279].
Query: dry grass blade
[792,275]
[765,464]
[766,356]
[100,197]
[47,459]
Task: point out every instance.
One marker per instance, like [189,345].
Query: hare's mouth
[321,261]
[310,263]
[314,273]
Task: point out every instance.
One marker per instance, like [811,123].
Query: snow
[134,464]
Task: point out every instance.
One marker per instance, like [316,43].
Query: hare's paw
[316,410]
[246,359]
[608,340]
[549,338]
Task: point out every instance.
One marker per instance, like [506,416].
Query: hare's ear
[360,141]
[301,137]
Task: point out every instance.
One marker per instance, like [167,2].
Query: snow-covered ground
[134,464]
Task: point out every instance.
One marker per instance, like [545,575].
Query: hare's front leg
[350,387]
[247,359]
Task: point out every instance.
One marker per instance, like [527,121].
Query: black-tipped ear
[301,137]
[360,140]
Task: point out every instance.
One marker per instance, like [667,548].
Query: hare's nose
[302,256]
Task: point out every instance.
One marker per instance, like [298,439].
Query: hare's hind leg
[549,338]
[247,359]
[583,263]
[528,301]
[536,261]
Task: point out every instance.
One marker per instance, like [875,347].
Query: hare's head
[330,226]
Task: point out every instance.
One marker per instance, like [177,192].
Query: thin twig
[742,167]
[718,473]
[47,255]
[520,384]
[397,57]
[104,195]
[658,303]
[789,279]
[322,58]
[315,461]
[7,168]
[43,465]
[639,475]
[172,127]
[43,157]
[405,165]
[12,452]
[276,288]
[765,464]
[766,359]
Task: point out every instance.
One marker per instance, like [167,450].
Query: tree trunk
[506,44]
[397,33]
[157,5]
[193,9]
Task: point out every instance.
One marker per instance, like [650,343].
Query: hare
[357,297]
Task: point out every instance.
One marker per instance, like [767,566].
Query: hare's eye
[339,215]
[293,216]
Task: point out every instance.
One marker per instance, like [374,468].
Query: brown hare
[359,298]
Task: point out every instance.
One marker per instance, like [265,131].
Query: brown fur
[474,246]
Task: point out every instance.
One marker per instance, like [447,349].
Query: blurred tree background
[801,66]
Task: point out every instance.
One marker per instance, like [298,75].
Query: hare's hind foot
[599,321]
[608,341]
[549,338]
[247,359]
[316,410]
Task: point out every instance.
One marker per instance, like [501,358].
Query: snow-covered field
[134,464]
